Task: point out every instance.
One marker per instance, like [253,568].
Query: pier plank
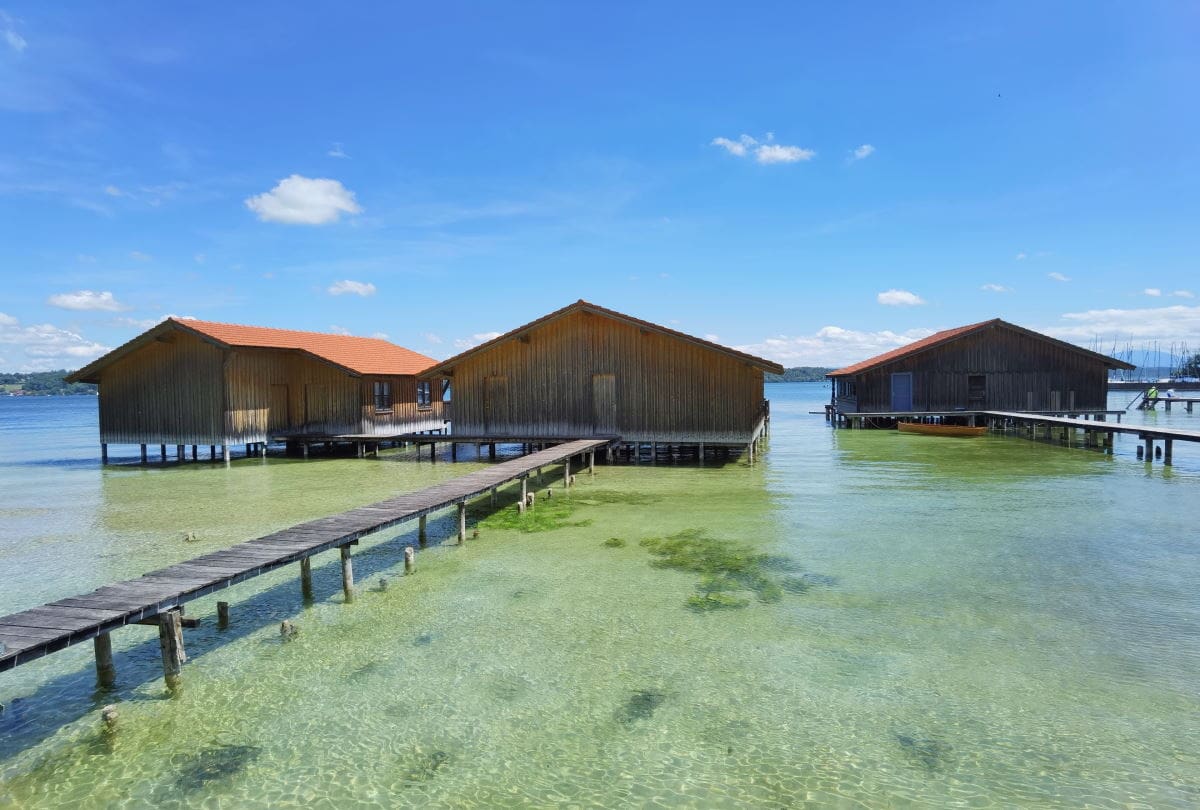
[48,628]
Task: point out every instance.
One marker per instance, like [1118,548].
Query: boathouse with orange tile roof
[192,382]
[991,365]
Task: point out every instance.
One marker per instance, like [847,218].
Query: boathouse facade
[992,365]
[585,371]
[197,382]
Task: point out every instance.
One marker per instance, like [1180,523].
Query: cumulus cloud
[45,346]
[864,151]
[87,300]
[832,346]
[336,151]
[113,191]
[765,153]
[339,330]
[1171,324]
[1183,294]
[999,288]
[348,287]
[462,344]
[712,338]
[298,200]
[379,335]
[899,298]
[430,337]
[1058,277]
[1153,292]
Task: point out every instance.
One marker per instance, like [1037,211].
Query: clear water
[985,622]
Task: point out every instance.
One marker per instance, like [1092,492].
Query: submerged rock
[423,640]
[930,754]
[640,706]
[209,765]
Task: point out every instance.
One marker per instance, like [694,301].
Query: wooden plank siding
[586,374]
[1020,373]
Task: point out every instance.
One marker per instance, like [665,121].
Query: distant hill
[41,384]
[799,374]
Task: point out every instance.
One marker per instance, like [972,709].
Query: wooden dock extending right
[158,597]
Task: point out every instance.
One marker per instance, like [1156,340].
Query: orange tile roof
[357,354]
[911,348]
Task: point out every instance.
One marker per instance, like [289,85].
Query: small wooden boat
[940,430]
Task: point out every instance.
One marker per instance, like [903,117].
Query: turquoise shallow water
[991,622]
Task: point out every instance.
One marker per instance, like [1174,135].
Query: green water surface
[864,619]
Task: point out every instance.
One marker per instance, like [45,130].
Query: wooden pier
[158,597]
[1095,433]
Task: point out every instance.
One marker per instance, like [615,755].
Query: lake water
[863,619]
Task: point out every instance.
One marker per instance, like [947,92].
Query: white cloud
[200,258]
[85,258]
[832,346]
[899,298]
[300,200]
[1183,294]
[998,288]
[379,335]
[1058,277]
[137,255]
[337,151]
[864,151]
[348,287]
[113,191]
[339,330]
[713,338]
[87,300]
[1153,292]
[1171,324]
[47,347]
[140,323]
[9,33]
[778,153]
[430,337]
[1022,256]
[765,153]
[462,344]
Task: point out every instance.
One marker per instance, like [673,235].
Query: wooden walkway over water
[1096,433]
[158,597]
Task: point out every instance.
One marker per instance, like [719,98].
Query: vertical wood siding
[665,389]
[1020,373]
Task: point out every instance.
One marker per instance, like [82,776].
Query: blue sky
[812,183]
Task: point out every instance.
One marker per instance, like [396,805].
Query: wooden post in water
[306,588]
[222,615]
[1149,448]
[193,452]
[462,522]
[491,451]
[225,454]
[347,574]
[103,452]
[1167,449]
[162,454]
[454,451]
[422,535]
[143,454]
[524,491]
[410,556]
[179,452]
[106,673]
[567,473]
[170,643]
[492,496]
[591,462]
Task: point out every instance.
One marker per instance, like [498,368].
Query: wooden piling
[462,522]
[524,491]
[162,454]
[492,496]
[567,473]
[194,454]
[422,533]
[1167,451]
[143,454]
[454,451]
[225,454]
[591,462]
[222,615]
[410,557]
[306,586]
[103,452]
[1149,443]
[492,451]
[106,673]
[347,574]
[170,644]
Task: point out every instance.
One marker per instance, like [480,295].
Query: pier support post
[462,522]
[162,454]
[170,643]
[143,454]
[103,452]
[222,615]
[591,462]
[422,533]
[492,496]
[567,473]
[225,454]
[492,451]
[1149,443]
[454,451]
[347,574]
[179,452]
[410,557]
[306,588]
[1167,451]
[106,673]
[524,491]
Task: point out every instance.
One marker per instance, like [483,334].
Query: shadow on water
[64,699]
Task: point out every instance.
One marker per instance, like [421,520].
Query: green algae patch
[546,515]
[725,569]
[614,542]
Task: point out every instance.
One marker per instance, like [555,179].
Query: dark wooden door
[495,405]
[976,392]
[279,415]
[902,391]
[604,404]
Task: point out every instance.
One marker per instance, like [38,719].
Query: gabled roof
[356,355]
[947,335]
[584,306]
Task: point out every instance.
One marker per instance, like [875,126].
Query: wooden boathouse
[190,382]
[993,365]
[585,371]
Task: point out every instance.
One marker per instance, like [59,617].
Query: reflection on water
[926,622]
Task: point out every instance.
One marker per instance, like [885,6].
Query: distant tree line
[42,383]
[800,374]
[1190,367]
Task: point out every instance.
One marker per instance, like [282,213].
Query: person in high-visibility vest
[1152,397]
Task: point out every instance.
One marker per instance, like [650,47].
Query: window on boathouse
[383,396]
[424,394]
